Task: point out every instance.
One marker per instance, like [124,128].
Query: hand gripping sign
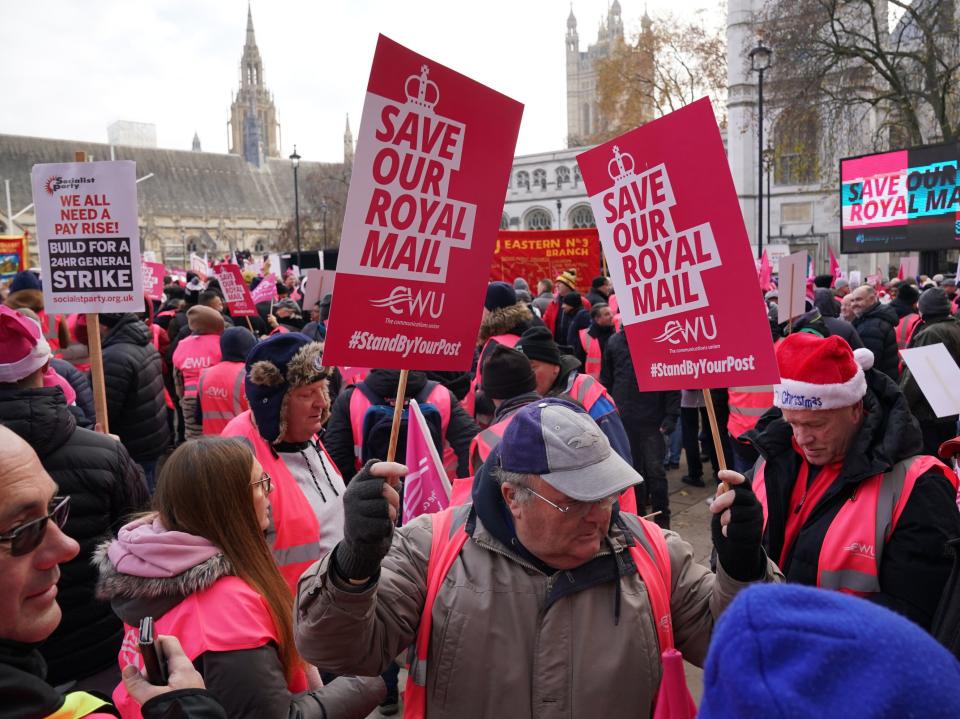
[429,176]
[678,254]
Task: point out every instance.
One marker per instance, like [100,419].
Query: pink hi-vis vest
[353,375]
[853,545]
[587,390]
[194,354]
[469,402]
[295,544]
[747,406]
[229,616]
[222,395]
[439,397]
[649,553]
[591,345]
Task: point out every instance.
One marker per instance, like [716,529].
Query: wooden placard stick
[395,429]
[96,355]
[715,431]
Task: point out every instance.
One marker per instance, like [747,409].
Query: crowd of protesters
[235,492]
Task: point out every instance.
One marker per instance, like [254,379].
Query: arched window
[563,175]
[504,221]
[258,246]
[191,245]
[523,180]
[576,175]
[796,154]
[538,219]
[540,179]
[581,217]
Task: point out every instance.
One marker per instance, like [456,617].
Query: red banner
[153,273]
[13,256]
[538,255]
[678,254]
[429,176]
[235,290]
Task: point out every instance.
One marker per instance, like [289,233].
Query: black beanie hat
[236,343]
[499,296]
[908,293]
[573,299]
[507,373]
[934,303]
[537,344]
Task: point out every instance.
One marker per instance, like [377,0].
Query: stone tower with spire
[584,120]
[348,144]
[254,130]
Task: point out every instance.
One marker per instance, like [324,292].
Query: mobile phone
[154,662]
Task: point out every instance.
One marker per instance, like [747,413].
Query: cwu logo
[402,300]
[693,329]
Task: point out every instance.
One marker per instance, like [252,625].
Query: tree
[668,64]
[323,202]
[891,83]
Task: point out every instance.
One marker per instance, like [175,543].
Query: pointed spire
[251,40]
[571,19]
[348,143]
[196,142]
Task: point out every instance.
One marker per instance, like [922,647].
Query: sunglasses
[27,537]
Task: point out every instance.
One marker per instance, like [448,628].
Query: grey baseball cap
[561,443]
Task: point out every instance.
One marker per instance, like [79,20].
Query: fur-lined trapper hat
[274,367]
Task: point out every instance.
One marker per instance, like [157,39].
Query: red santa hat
[23,348]
[820,373]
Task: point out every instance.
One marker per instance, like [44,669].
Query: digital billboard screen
[901,201]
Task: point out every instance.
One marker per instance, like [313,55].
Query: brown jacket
[497,649]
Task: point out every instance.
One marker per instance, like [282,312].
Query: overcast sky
[71,68]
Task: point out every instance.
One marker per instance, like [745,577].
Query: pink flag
[766,272]
[835,270]
[426,489]
[266,290]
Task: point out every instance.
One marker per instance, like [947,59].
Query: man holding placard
[850,503]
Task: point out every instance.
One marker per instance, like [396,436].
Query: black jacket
[944,330]
[877,328]
[134,379]
[640,411]
[338,438]
[25,693]
[81,385]
[915,566]
[105,487]
[902,308]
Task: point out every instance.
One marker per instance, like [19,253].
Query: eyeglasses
[265,482]
[576,508]
[27,537]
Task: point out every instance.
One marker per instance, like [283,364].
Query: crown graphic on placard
[621,165]
[425,92]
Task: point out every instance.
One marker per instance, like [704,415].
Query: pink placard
[426,194]
[678,254]
[153,273]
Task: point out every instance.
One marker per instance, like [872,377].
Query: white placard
[854,279]
[791,286]
[88,236]
[938,375]
[316,284]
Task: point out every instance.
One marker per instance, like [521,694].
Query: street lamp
[323,209]
[559,216]
[759,62]
[295,161]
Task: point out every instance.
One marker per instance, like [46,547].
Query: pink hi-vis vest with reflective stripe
[853,545]
[295,544]
[591,346]
[587,390]
[439,397]
[222,395]
[353,375]
[649,553]
[194,354]
[228,616]
[747,406]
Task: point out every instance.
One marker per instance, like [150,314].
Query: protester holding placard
[936,327]
[533,573]
[286,386]
[840,432]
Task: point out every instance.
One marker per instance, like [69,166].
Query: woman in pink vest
[286,386]
[201,567]
[195,353]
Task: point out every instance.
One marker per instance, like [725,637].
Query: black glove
[668,425]
[740,552]
[367,528]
